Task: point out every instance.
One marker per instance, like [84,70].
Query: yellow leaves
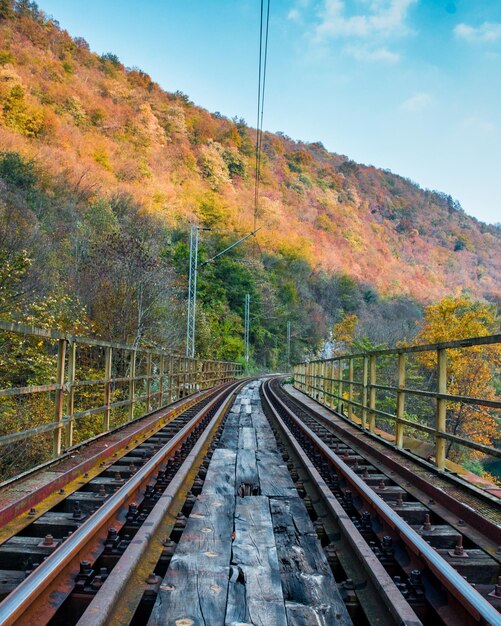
[101,157]
[345,329]
[469,370]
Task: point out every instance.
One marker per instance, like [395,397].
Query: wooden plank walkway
[249,555]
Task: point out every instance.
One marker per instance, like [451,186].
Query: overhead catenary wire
[263,61]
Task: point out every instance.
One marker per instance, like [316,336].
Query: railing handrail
[152,377]
[333,381]
[443,345]
[46,333]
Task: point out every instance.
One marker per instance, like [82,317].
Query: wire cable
[263,60]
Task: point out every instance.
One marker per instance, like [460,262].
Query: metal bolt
[458,550]
[48,541]
[427,523]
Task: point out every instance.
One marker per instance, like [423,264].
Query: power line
[263,61]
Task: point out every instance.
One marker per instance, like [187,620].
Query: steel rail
[116,601]
[393,601]
[17,604]
[471,600]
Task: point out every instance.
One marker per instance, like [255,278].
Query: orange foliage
[111,131]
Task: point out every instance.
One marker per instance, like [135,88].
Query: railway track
[51,569]
[413,557]
[105,553]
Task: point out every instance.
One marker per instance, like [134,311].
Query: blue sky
[409,85]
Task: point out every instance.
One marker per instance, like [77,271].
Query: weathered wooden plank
[195,585]
[308,585]
[220,478]
[274,478]
[247,438]
[255,591]
[247,477]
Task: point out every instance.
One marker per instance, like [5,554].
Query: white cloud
[418,102]
[384,17]
[486,32]
[478,125]
[295,14]
[363,53]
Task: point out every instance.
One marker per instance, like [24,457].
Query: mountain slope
[109,130]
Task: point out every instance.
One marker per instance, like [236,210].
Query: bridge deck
[249,553]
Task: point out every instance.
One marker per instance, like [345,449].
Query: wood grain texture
[255,592]
[310,591]
[195,585]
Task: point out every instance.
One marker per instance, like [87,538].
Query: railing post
[331,384]
[148,382]
[350,389]
[132,385]
[70,408]
[108,356]
[372,393]
[321,367]
[161,375]
[170,374]
[59,398]
[365,378]
[340,386]
[399,428]
[441,425]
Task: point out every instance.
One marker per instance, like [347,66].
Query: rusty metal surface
[483,515]
[459,589]
[40,489]
[397,606]
[121,593]
[40,594]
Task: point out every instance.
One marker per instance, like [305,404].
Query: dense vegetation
[101,172]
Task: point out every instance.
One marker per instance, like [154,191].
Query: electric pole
[192,283]
[192,292]
[247,329]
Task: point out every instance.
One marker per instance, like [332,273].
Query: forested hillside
[101,172]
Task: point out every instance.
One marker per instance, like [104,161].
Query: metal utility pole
[247,329]
[192,283]
[288,345]
[192,293]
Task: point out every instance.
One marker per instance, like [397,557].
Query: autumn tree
[343,333]
[470,371]
[6,9]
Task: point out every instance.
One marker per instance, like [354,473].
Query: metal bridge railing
[417,397]
[58,390]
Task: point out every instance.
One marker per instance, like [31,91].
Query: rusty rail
[33,598]
[335,382]
[150,379]
[456,586]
